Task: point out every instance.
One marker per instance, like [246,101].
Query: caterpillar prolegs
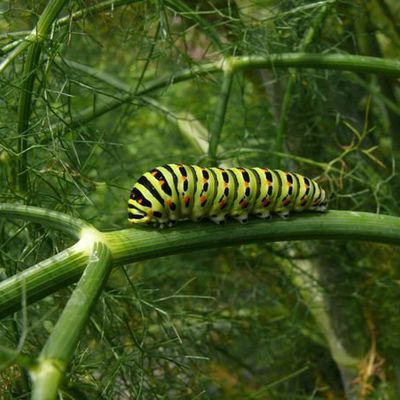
[176,192]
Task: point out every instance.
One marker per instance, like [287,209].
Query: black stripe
[311,198]
[258,183]
[295,198]
[225,176]
[245,174]
[182,170]
[135,216]
[320,192]
[234,185]
[216,186]
[160,177]
[277,181]
[137,196]
[174,176]
[149,186]
[268,175]
[192,200]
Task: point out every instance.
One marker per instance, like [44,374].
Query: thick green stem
[59,348]
[343,62]
[141,243]
[130,245]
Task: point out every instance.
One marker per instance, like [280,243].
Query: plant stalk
[141,243]
[61,344]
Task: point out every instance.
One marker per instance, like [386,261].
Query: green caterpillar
[176,192]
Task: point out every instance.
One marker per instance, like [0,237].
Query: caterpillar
[175,192]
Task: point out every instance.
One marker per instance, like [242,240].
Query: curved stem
[135,244]
[59,221]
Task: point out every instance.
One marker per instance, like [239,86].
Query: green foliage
[79,124]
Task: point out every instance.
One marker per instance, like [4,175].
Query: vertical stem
[307,277]
[29,73]
[365,28]
[216,127]
[48,16]
[61,344]
[24,111]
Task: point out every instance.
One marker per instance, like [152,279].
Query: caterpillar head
[139,208]
[137,216]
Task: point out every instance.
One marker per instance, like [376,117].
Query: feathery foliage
[92,94]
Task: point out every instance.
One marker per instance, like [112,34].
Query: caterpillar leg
[242,218]
[217,219]
[284,214]
[264,215]
[162,225]
[320,208]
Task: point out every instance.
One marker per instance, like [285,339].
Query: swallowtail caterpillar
[176,192]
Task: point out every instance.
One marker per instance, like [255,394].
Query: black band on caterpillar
[176,192]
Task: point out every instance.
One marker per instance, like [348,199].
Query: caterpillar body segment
[175,192]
